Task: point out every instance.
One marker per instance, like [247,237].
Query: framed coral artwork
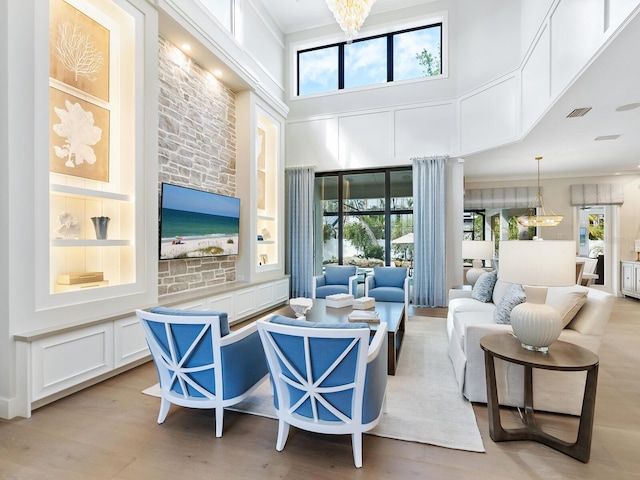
[78,137]
[79,50]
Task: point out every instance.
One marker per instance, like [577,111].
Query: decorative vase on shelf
[100,224]
[69,226]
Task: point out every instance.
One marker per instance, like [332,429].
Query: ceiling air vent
[579,112]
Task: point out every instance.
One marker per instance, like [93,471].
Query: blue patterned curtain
[429,275]
[299,194]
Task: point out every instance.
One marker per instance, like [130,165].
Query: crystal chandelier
[538,215]
[350,14]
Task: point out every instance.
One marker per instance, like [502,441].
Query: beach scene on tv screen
[194,223]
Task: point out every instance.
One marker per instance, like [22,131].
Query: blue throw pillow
[224,321]
[514,296]
[294,322]
[483,288]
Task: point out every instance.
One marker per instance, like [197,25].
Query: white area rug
[423,401]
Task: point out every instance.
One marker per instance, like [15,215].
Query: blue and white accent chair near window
[326,378]
[389,284]
[200,363]
[336,279]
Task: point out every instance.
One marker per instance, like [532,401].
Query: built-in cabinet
[268,182]
[630,279]
[59,360]
[260,138]
[88,220]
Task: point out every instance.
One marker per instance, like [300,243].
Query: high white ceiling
[567,144]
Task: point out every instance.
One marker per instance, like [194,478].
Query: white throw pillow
[567,300]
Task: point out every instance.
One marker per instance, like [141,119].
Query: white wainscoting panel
[365,140]
[264,296]
[129,343]
[576,33]
[223,303]
[536,81]
[281,291]
[245,302]
[424,131]
[313,142]
[489,117]
[65,360]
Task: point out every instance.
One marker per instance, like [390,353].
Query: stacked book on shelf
[366,316]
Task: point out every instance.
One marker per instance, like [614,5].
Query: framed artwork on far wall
[78,137]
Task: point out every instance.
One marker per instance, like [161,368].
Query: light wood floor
[109,431]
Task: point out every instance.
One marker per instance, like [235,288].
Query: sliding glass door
[366,218]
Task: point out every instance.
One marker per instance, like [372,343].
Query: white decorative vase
[536,324]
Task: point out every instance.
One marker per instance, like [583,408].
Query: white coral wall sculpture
[80,133]
[76,52]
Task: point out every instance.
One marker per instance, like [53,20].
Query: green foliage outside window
[430,63]
[596,227]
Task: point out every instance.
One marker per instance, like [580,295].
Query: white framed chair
[335,279]
[200,363]
[326,378]
[389,284]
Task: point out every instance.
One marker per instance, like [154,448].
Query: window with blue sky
[403,55]
[319,68]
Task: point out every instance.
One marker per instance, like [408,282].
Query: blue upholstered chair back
[200,363]
[336,279]
[327,378]
[389,284]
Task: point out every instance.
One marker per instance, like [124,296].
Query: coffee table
[390,312]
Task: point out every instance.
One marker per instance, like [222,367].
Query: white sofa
[469,320]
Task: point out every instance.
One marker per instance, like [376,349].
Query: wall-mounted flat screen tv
[195,223]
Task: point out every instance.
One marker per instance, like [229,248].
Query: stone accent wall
[197,148]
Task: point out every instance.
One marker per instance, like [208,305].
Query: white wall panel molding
[490,116]
[564,37]
[577,31]
[65,360]
[535,78]
[267,21]
[365,140]
[424,130]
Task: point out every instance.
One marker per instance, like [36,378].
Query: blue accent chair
[336,279]
[389,284]
[200,363]
[326,378]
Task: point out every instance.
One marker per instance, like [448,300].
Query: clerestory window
[402,55]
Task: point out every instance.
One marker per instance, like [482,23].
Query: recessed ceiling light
[579,112]
[217,73]
[628,106]
[607,137]
[186,47]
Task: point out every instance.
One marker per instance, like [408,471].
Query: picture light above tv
[196,224]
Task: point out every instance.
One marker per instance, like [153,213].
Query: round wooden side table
[563,357]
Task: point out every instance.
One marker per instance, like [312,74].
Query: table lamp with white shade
[477,251]
[537,265]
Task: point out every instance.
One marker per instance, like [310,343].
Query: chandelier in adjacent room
[538,215]
[350,14]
